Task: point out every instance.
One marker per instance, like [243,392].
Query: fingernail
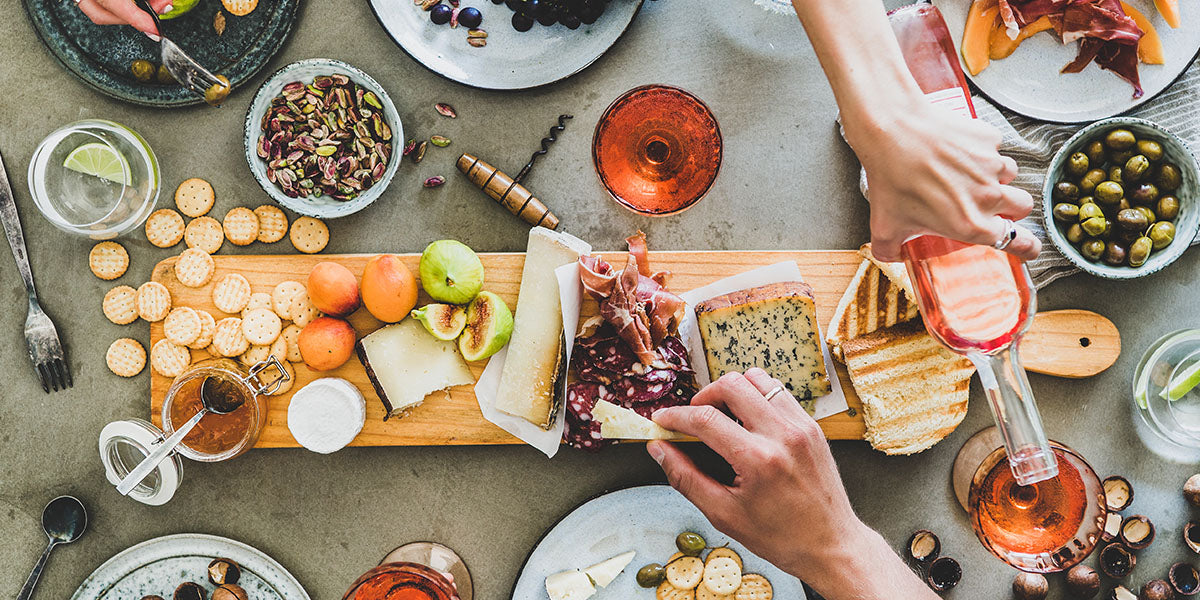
[656,451]
[153,38]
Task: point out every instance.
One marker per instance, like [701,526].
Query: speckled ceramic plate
[645,519]
[159,565]
[511,60]
[1030,83]
[101,56]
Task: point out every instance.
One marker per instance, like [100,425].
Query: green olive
[1120,157]
[1109,192]
[1123,204]
[1150,149]
[1115,174]
[1091,179]
[1149,214]
[1095,153]
[1082,212]
[217,92]
[164,76]
[1115,254]
[1136,168]
[1075,233]
[1065,191]
[1077,164]
[1144,193]
[1169,178]
[1132,219]
[1120,139]
[143,70]
[1162,234]
[691,544]
[1139,251]
[1093,249]
[1095,226]
[651,575]
[1067,212]
[1168,208]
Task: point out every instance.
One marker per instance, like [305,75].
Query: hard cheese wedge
[603,573]
[531,370]
[570,585]
[405,363]
[620,423]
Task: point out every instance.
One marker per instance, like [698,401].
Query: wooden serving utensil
[1070,343]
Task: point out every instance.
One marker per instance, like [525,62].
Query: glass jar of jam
[401,581]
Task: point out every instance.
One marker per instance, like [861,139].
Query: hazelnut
[924,546]
[1184,578]
[943,574]
[1191,536]
[229,591]
[1191,490]
[1118,494]
[1156,589]
[1083,582]
[1116,561]
[222,571]
[1112,526]
[1122,593]
[1030,586]
[190,591]
[1137,532]
[152,597]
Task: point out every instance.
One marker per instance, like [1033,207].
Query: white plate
[511,60]
[1030,83]
[159,565]
[645,519]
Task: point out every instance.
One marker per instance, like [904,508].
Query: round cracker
[291,379]
[108,260]
[255,354]
[754,587]
[153,301]
[258,300]
[231,293]
[194,267]
[120,305]
[666,591]
[703,593]
[182,326]
[228,340]
[261,326]
[207,325]
[125,357]
[291,335]
[194,197]
[204,233]
[309,235]
[281,297]
[722,575]
[279,348]
[240,8]
[685,572]
[164,228]
[272,223]
[169,359]
[302,309]
[726,552]
[241,226]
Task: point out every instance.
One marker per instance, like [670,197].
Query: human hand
[933,171]
[124,12]
[787,503]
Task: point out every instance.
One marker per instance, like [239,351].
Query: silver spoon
[218,397]
[63,520]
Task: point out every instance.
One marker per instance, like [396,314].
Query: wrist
[864,567]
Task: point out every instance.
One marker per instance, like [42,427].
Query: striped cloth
[1033,143]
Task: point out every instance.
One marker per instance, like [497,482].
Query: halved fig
[443,321]
[489,325]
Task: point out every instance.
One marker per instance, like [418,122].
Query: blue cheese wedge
[772,327]
[570,585]
[603,573]
[620,423]
[405,364]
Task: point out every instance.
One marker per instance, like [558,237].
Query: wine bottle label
[954,99]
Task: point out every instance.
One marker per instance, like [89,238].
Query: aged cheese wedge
[405,364]
[570,585]
[603,573]
[532,368]
[620,423]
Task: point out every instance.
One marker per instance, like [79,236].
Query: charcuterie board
[455,419]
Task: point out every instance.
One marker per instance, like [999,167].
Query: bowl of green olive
[1120,198]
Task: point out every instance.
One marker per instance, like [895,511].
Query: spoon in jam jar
[218,397]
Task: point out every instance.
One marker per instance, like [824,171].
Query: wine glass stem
[1016,415]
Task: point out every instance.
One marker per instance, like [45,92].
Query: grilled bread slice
[914,391]
[895,271]
[872,301]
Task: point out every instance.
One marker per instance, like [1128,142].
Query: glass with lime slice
[1166,388]
[179,8]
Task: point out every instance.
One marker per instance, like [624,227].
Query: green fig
[451,272]
[489,325]
[444,321]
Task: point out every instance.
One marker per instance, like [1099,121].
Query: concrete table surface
[787,182]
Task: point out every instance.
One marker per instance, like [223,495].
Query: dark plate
[100,56]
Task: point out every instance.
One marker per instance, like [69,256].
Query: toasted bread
[914,391]
[872,301]
[895,271]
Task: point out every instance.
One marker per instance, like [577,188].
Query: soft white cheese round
[327,414]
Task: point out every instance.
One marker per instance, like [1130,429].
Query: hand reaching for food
[787,503]
[123,12]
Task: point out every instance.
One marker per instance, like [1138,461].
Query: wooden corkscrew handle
[504,190]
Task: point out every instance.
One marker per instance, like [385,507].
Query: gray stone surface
[787,182]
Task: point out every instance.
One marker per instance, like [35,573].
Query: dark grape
[440,14]
[470,17]
[532,8]
[522,22]
[516,5]
[497,1]
[569,21]
[547,18]
[590,15]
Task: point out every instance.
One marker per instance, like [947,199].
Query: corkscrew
[510,192]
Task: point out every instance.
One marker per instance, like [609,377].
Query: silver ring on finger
[773,393]
[1010,234]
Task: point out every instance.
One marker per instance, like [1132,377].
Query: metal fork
[182,67]
[45,349]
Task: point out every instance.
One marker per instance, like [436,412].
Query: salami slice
[612,355]
[581,431]
[631,391]
[675,354]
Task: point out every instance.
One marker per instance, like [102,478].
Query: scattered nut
[1083,582]
[944,573]
[219,22]
[229,591]
[445,109]
[1122,593]
[1116,561]
[1185,580]
[434,181]
[1118,494]
[1112,527]
[222,571]
[1156,589]
[1137,532]
[924,546]
[1030,586]
[190,591]
[1191,536]
[1191,490]
[419,154]
[439,141]
[152,597]
[409,146]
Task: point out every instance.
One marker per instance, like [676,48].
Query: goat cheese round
[327,414]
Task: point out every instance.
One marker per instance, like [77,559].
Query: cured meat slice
[631,391]
[581,430]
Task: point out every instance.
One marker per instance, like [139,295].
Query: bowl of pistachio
[1120,197]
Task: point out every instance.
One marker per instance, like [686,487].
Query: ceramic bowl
[1186,224]
[321,207]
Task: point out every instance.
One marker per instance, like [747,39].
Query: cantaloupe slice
[981,20]
[1169,9]
[1150,48]
[1001,46]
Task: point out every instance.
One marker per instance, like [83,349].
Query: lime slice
[178,8]
[1182,383]
[99,160]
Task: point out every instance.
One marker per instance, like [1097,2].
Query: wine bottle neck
[1016,414]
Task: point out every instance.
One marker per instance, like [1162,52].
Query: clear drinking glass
[1165,391]
[97,207]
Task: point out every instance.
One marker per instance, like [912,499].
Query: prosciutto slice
[1019,13]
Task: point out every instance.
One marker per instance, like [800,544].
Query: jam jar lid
[123,444]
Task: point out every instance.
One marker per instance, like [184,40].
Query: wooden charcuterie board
[455,419]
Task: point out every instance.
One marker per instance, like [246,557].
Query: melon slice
[981,19]
[1150,48]
[1001,46]
[1169,9]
